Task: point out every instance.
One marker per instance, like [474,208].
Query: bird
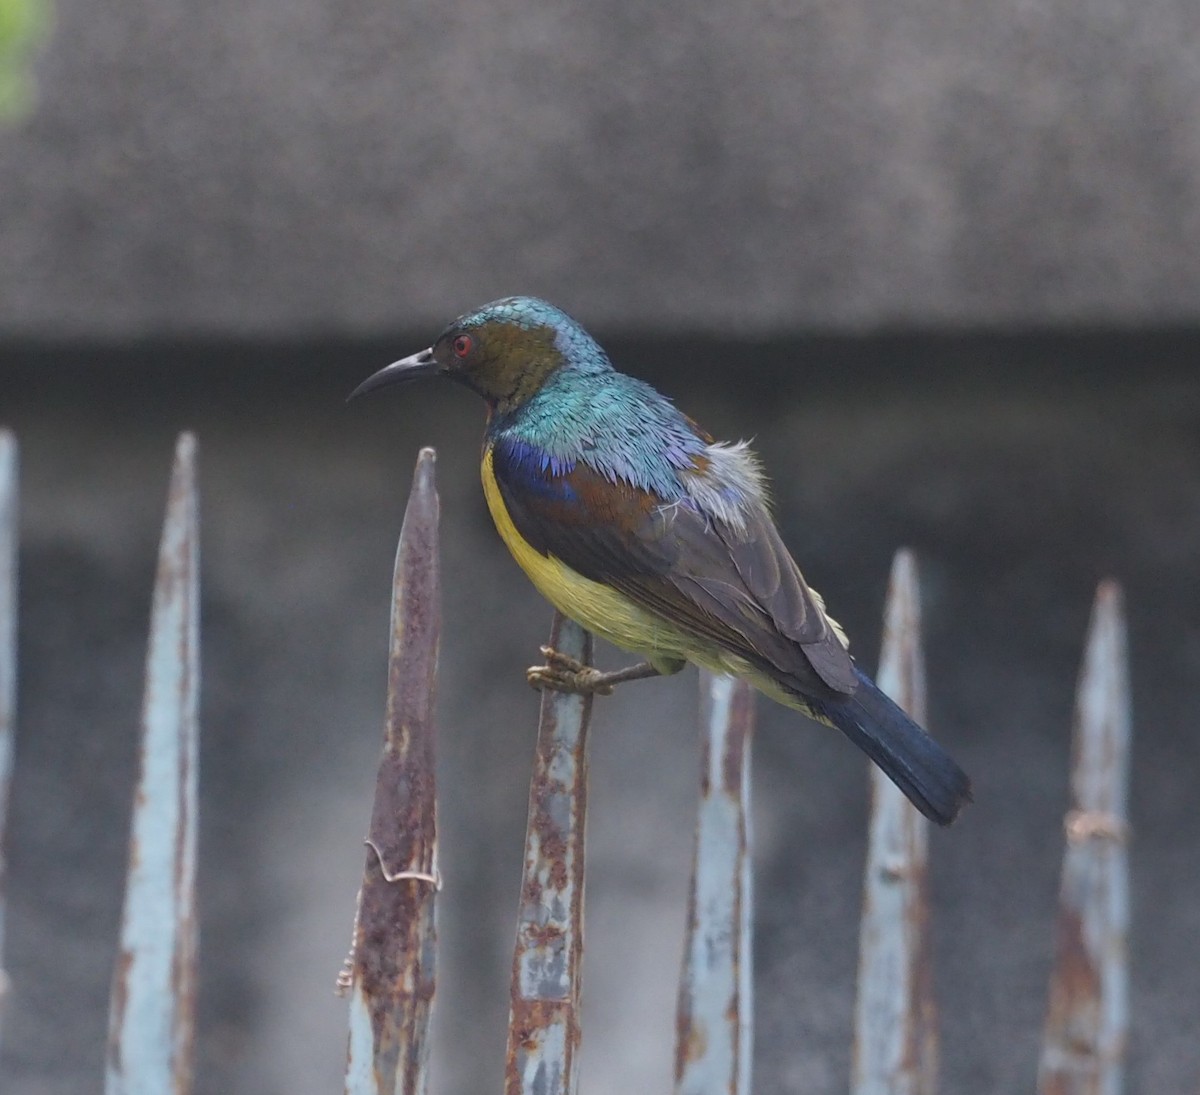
[634,522]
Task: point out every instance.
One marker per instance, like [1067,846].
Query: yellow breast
[602,610]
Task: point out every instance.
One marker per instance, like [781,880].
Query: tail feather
[908,756]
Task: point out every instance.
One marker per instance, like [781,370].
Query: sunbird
[635,523]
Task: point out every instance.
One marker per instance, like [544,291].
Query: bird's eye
[463,345]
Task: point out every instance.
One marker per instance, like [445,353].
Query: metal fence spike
[390,974]
[152,1011]
[544,1031]
[8,661]
[714,1024]
[1087,1020]
[895,1027]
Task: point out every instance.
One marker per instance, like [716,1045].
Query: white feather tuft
[732,482]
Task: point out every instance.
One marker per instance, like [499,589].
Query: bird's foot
[562,673]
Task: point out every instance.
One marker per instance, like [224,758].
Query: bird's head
[504,351]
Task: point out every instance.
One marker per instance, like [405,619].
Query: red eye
[463,345]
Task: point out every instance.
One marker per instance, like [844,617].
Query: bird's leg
[562,673]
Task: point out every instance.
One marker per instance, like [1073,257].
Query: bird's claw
[562,673]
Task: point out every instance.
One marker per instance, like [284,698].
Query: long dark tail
[908,756]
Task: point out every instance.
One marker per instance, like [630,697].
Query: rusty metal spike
[544,1029]
[895,1030]
[714,1024]
[152,1011]
[390,974]
[1087,1021]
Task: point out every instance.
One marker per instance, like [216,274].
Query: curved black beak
[408,368]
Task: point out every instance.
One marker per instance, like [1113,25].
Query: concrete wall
[257,166]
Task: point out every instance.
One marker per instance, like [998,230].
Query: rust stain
[741,718]
[1075,991]
[1056,1084]
[135,845]
[921,1048]
[183,963]
[394,949]
[529,1023]
[683,1013]
[119,1002]
[543,936]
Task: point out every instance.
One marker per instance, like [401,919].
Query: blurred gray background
[942,262]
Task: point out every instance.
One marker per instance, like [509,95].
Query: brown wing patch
[739,589]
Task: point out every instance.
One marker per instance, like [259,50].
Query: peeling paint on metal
[714,1028]
[152,1011]
[1087,1019]
[544,1028]
[8,661]
[391,971]
[895,1039]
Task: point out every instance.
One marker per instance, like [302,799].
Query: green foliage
[22,25]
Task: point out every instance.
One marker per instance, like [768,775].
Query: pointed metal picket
[895,1027]
[1087,1022]
[715,1016]
[152,1011]
[390,974]
[544,1028]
